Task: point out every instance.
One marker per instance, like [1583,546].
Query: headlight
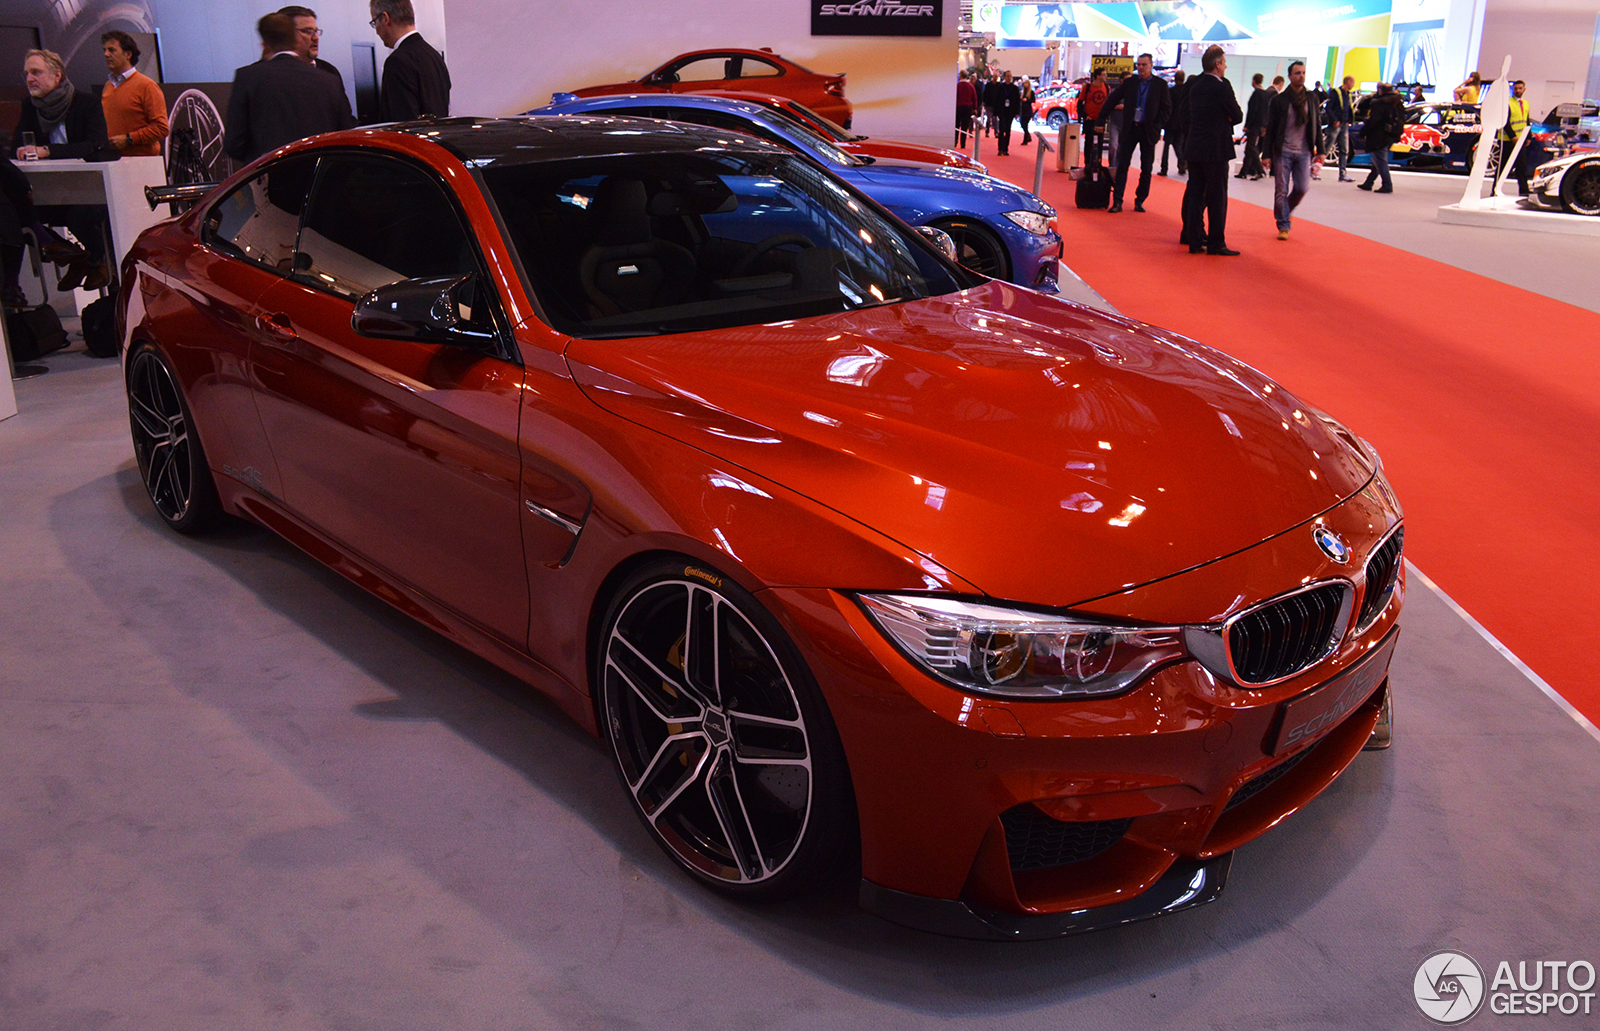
[990,649]
[1032,221]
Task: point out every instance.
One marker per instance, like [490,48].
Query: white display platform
[1506,213]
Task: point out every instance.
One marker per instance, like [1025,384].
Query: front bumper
[1035,259]
[1177,772]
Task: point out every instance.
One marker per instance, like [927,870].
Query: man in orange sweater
[136,109]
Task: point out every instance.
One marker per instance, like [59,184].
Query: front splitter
[1187,884]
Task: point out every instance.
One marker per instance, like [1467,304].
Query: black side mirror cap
[440,310]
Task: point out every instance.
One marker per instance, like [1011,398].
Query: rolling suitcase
[33,332]
[100,328]
[1094,189]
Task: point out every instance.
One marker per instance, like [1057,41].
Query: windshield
[648,244]
[827,125]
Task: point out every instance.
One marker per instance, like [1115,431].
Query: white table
[119,185]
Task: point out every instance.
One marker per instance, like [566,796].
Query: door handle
[277,325]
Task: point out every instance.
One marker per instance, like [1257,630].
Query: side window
[757,68]
[259,220]
[705,69]
[375,221]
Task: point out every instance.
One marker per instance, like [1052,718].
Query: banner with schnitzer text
[877,17]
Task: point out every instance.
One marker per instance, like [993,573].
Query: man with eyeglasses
[280,98]
[415,80]
[307,37]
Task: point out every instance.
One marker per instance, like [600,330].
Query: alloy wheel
[161,438]
[1582,188]
[977,248]
[709,733]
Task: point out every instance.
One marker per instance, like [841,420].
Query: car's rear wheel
[1580,188]
[720,735]
[977,247]
[171,461]
[1057,119]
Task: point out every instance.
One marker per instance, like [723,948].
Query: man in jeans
[1293,144]
[1386,117]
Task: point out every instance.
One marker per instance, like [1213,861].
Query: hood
[945,177]
[1044,452]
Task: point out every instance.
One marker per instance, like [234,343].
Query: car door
[247,240]
[403,451]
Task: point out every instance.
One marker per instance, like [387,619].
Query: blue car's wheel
[977,247]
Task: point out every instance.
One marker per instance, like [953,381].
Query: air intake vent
[1252,788]
[1383,571]
[1283,637]
[1035,841]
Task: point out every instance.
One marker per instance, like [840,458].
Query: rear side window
[756,68]
[259,220]
[377,220]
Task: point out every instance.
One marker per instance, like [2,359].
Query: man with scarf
[68,123]
[1293,145]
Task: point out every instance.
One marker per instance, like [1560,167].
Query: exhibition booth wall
[901,86]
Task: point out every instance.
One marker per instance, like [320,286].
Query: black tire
[738,776]
[172,462]
[1580,188]
[977,247]
[1056,119]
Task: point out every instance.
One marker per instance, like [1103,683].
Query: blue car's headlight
[1032,221]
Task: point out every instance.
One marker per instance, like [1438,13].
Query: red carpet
[1483,398]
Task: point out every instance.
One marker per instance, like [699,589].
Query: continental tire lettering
[714,581]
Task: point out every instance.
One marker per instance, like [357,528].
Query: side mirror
[942,240]
[445,310]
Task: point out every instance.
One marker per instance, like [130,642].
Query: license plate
[1311,715]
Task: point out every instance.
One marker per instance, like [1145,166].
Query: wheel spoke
[150,421]
[687,691]
[644,696]
[655,760]
[728,806]
[700,646]
[160,465]
[693,776]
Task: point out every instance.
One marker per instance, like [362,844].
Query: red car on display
[845,552]
[1056,106]
[861,146]
[761,71]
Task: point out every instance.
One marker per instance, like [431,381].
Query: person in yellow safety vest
[1516,121]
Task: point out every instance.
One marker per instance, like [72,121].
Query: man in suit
[308,38]
[1255,124]
[1140,103]
[280,98]
[66,122]
[1008,102]
[415,81]
[1213,112]
[1339,113]
[1177,129]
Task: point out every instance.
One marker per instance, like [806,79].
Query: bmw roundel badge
[1332,544]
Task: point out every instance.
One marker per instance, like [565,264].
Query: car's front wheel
[171,461]
[977,247]
[1057,119]
[1580,188]
[720,735]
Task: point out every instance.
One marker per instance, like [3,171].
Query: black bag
[34,332]
[1094,189]
[100,328]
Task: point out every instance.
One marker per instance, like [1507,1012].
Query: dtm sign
[877,18]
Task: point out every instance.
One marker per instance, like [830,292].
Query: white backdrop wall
[507,56]
[1549,42]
